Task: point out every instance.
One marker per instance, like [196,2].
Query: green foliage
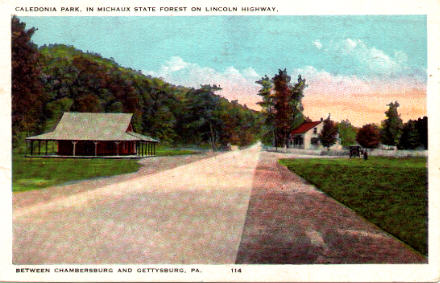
[281,105]
[410,138]
[347,133]
[268,109]
[391,126]
[368,136]
[68,79]
[28,98]
[328,134]
[54,110]
[389,192]
[414,134]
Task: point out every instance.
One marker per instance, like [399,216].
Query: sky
[353,65]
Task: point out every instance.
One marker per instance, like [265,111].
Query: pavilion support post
[143,149]
[96,148]
[32,147]
[46,147]
[117,148]
[148,149]
[74,147]
[39,148]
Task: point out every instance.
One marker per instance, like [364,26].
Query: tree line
[50,80]
[393,132]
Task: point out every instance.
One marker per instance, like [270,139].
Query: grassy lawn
[389,192]
[165,151]
[38,173]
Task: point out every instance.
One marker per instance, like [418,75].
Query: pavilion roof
[93,127]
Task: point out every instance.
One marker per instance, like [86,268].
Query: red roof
[304,127]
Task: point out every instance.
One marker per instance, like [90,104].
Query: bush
[368,136]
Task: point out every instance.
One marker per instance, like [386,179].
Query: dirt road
[236,207]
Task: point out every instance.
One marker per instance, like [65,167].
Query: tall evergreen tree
[392,125]
[268,109]
[27,91]
[287,105]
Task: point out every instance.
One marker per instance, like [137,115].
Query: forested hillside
[49,80]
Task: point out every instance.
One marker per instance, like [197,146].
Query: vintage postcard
[220,141]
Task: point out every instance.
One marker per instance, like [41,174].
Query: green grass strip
[38,173]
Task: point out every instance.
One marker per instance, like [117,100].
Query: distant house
[306,136]
[93,135]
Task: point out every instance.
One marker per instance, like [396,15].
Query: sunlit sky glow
[353,65]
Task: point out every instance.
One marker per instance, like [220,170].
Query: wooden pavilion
[93,135]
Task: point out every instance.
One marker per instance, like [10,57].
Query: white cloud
[317,44]
[373,60]
[236,84]
[321,82]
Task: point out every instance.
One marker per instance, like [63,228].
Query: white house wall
[309,135]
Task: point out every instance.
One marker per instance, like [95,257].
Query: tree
[347,133]
[422,128]
[410,138]
[202,115]
[287,105]
[392,125]
[268,107]
[27,91]
[368,136]
[328,134]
